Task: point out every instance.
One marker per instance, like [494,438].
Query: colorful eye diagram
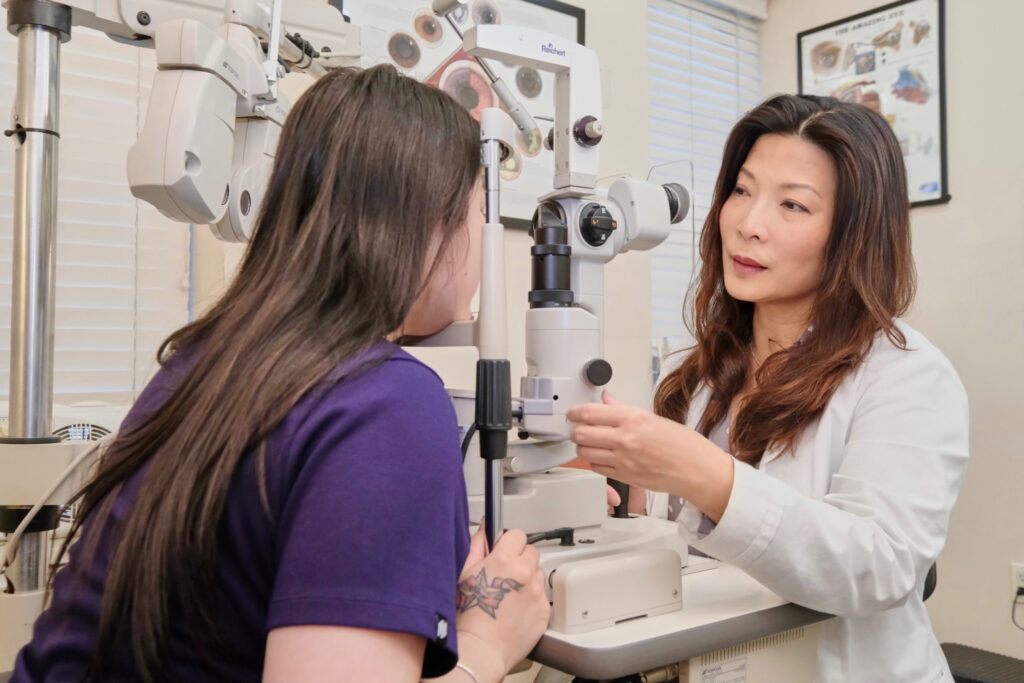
[428,27]
[485,12]
[403,50]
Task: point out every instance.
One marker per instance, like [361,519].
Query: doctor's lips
[746,266]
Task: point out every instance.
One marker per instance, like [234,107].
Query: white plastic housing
[645,213]
[255,146]
[18,612]
[181,163]
[495,124]
[559,344]
[577,88]
[317,21]
[29,470]
[589,594]
[562,497]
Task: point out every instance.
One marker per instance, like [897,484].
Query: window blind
[704,73]
[122,268]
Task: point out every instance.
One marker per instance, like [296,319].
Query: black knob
[596,224]
[588,131]
[598,372]
[621,511]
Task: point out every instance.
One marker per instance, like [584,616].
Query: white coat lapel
[773,451]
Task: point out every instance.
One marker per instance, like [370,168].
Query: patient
[285,500]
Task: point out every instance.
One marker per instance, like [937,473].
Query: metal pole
[270,66]
[492,180]
[35,231]
[28,571]
[493,492]
[493,388]
[41,26]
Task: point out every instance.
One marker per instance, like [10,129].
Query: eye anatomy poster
[407,34]
[891,61]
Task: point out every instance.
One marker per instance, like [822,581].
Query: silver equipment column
[492,404]
[41,27]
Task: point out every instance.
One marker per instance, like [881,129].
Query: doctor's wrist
[705,477]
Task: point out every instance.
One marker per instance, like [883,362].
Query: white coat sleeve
[867,545]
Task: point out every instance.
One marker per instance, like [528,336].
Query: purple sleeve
[373,529]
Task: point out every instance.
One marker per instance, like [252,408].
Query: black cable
[1013,608]
[466,439]
[564,534]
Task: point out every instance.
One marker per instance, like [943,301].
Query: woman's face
[776,223]
[447,294]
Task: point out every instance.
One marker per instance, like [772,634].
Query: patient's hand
[637,500]
[613,499]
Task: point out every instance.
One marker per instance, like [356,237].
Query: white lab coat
[850,523]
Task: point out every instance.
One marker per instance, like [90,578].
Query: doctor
[810,437]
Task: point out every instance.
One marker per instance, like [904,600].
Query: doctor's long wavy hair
[374,170]
[867,282]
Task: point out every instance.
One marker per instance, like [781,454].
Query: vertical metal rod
[492,322]
[494,483]
[28,572]
[35,229]
[270,66]
[492,180]
[35,125]
[493,492]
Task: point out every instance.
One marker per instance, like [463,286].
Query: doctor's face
[448,292]
[776,223]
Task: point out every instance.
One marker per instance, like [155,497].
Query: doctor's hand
[501,607]
[633,445]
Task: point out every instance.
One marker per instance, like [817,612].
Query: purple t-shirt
[364,479]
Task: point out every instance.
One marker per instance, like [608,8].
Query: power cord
[466,439]
[564,534]
[1017,602]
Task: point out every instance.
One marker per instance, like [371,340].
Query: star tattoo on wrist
[476,591]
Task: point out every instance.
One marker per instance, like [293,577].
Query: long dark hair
[373,170]
[867,282]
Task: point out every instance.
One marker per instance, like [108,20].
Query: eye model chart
[406,33]
[890,60]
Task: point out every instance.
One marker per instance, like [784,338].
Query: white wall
[617,30]
[970,260]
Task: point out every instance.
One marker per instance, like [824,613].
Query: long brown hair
[867,282]
[369,164]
